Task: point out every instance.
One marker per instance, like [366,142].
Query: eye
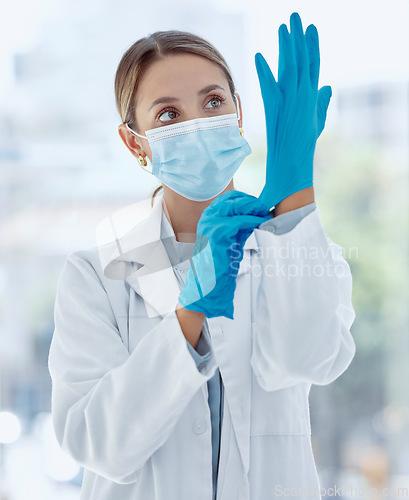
[215,101]
[171,115]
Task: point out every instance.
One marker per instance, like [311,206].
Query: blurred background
[64,168]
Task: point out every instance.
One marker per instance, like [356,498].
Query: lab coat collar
[130,248]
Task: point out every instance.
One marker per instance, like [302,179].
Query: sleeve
[303,311]
[113,409]
[202,355]
[288,220]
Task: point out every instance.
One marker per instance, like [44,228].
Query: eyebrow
[162,100]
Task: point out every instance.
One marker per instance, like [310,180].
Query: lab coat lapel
[154,279]
[130,249]
[156,283]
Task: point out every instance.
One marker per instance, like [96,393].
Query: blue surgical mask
[197,158]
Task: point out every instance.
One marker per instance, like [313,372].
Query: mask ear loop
[133,132]
[238,107]
[238,115]
[148,162]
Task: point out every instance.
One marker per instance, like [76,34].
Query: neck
[184,214]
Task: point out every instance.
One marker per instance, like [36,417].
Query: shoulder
[83,266]
[86,258]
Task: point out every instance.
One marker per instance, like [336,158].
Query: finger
[301,52]
[287,69]
[203,266]
[228,195]
[242,205]
[222,203]
[250,206]
[246,222]
[265,76]
[221,200]
[235,223]
[311,38]
[324,96]
[262,67]
[238,248]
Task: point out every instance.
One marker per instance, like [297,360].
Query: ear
[130,141]
[238,103]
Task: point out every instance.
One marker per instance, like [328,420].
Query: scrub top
[180,254]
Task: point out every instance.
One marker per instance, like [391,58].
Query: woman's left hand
[295,111]
[222,231]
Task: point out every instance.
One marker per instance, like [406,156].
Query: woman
[186,344]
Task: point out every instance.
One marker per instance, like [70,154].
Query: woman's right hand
[295,111]
[222,231]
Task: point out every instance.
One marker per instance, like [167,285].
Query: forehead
[179,75]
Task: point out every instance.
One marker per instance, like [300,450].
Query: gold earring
[241,132]
[142,160]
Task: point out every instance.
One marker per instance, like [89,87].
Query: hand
[222,231]
[295,111]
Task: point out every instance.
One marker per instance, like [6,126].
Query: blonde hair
[140,55]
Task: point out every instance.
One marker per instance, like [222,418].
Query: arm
[303,308]
[287,221]
[191,323]
[295,201]
[113,409]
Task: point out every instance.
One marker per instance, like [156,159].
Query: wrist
[191,323]
[294,201]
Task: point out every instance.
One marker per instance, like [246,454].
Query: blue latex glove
[295,111]
[222,231]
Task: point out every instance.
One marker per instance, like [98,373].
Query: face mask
[197,158]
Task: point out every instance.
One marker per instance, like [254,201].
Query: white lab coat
[128,400]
